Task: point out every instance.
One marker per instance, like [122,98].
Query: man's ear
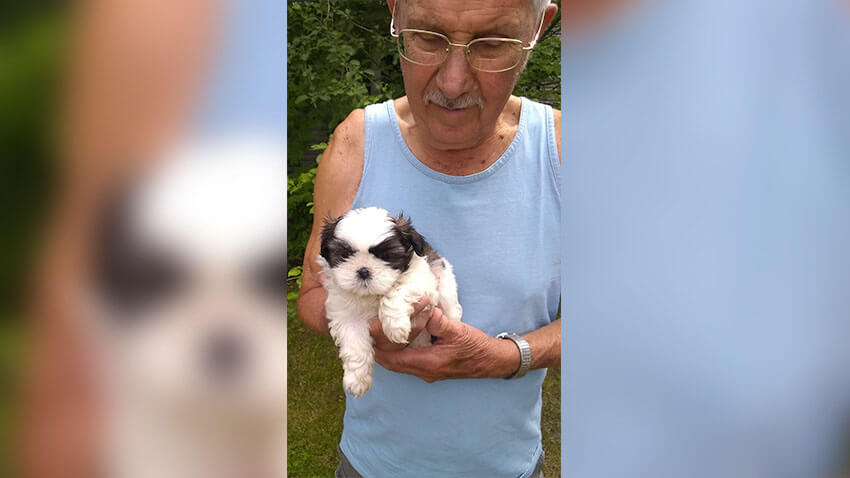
[548,16]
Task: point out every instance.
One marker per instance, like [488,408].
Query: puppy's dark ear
[328,230]
[409,236]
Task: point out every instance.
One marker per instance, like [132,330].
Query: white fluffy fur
[389,295]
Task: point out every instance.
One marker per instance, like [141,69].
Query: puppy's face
[191,271]
[366,250]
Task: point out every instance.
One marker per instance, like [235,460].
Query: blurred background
[90,92]
[340,57]
[706,219]
[33,41]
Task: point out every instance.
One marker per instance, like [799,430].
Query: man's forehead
[471,16]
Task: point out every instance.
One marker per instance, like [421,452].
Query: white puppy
[378,265]
[190,282]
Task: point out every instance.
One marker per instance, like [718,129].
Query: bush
[338,59]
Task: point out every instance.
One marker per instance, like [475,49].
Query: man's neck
[464,161]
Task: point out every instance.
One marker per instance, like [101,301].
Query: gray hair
[539,5]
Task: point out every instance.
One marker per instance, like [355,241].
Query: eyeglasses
[491,55]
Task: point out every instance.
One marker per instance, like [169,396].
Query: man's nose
[455,75]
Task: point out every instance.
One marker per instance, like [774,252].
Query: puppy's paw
[394,315]
[454,312]
[356,383]
[397,329]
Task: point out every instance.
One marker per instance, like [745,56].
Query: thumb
[440,326]
[374,327]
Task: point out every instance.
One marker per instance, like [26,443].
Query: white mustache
[465,101]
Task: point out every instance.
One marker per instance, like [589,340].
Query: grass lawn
[315,405]
[11,353]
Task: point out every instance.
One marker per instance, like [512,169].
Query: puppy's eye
[140,279]
[269,278]
[335,251]
[393,252]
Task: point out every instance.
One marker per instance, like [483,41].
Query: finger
[381,340]
[389,359]
[423,363]
[418,325]
[420,305]
[420,317]
[375,329]
[377,333]
[439,326]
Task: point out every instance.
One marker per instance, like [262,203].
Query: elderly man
[476,169]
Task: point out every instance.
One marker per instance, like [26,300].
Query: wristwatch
[524,353]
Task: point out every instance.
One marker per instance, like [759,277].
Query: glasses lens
[424,48]
[495,54]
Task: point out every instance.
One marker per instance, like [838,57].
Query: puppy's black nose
[363,273]
[224,355]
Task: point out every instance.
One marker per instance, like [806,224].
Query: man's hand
[460,351]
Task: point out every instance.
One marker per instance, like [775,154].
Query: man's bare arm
[337,180]
[545,344]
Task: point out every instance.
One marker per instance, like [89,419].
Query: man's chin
[456,131]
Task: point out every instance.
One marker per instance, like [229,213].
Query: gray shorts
[345,470]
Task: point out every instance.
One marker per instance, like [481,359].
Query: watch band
[524,353]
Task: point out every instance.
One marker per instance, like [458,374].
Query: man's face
[461,22]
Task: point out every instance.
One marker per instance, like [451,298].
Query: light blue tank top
[500,229]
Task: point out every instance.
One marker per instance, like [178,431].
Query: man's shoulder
[347,141]
[556,122]
[351,128]
[355,122]
[556,113]
[341,165]
[349,137]
[529,100]
[556,119]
